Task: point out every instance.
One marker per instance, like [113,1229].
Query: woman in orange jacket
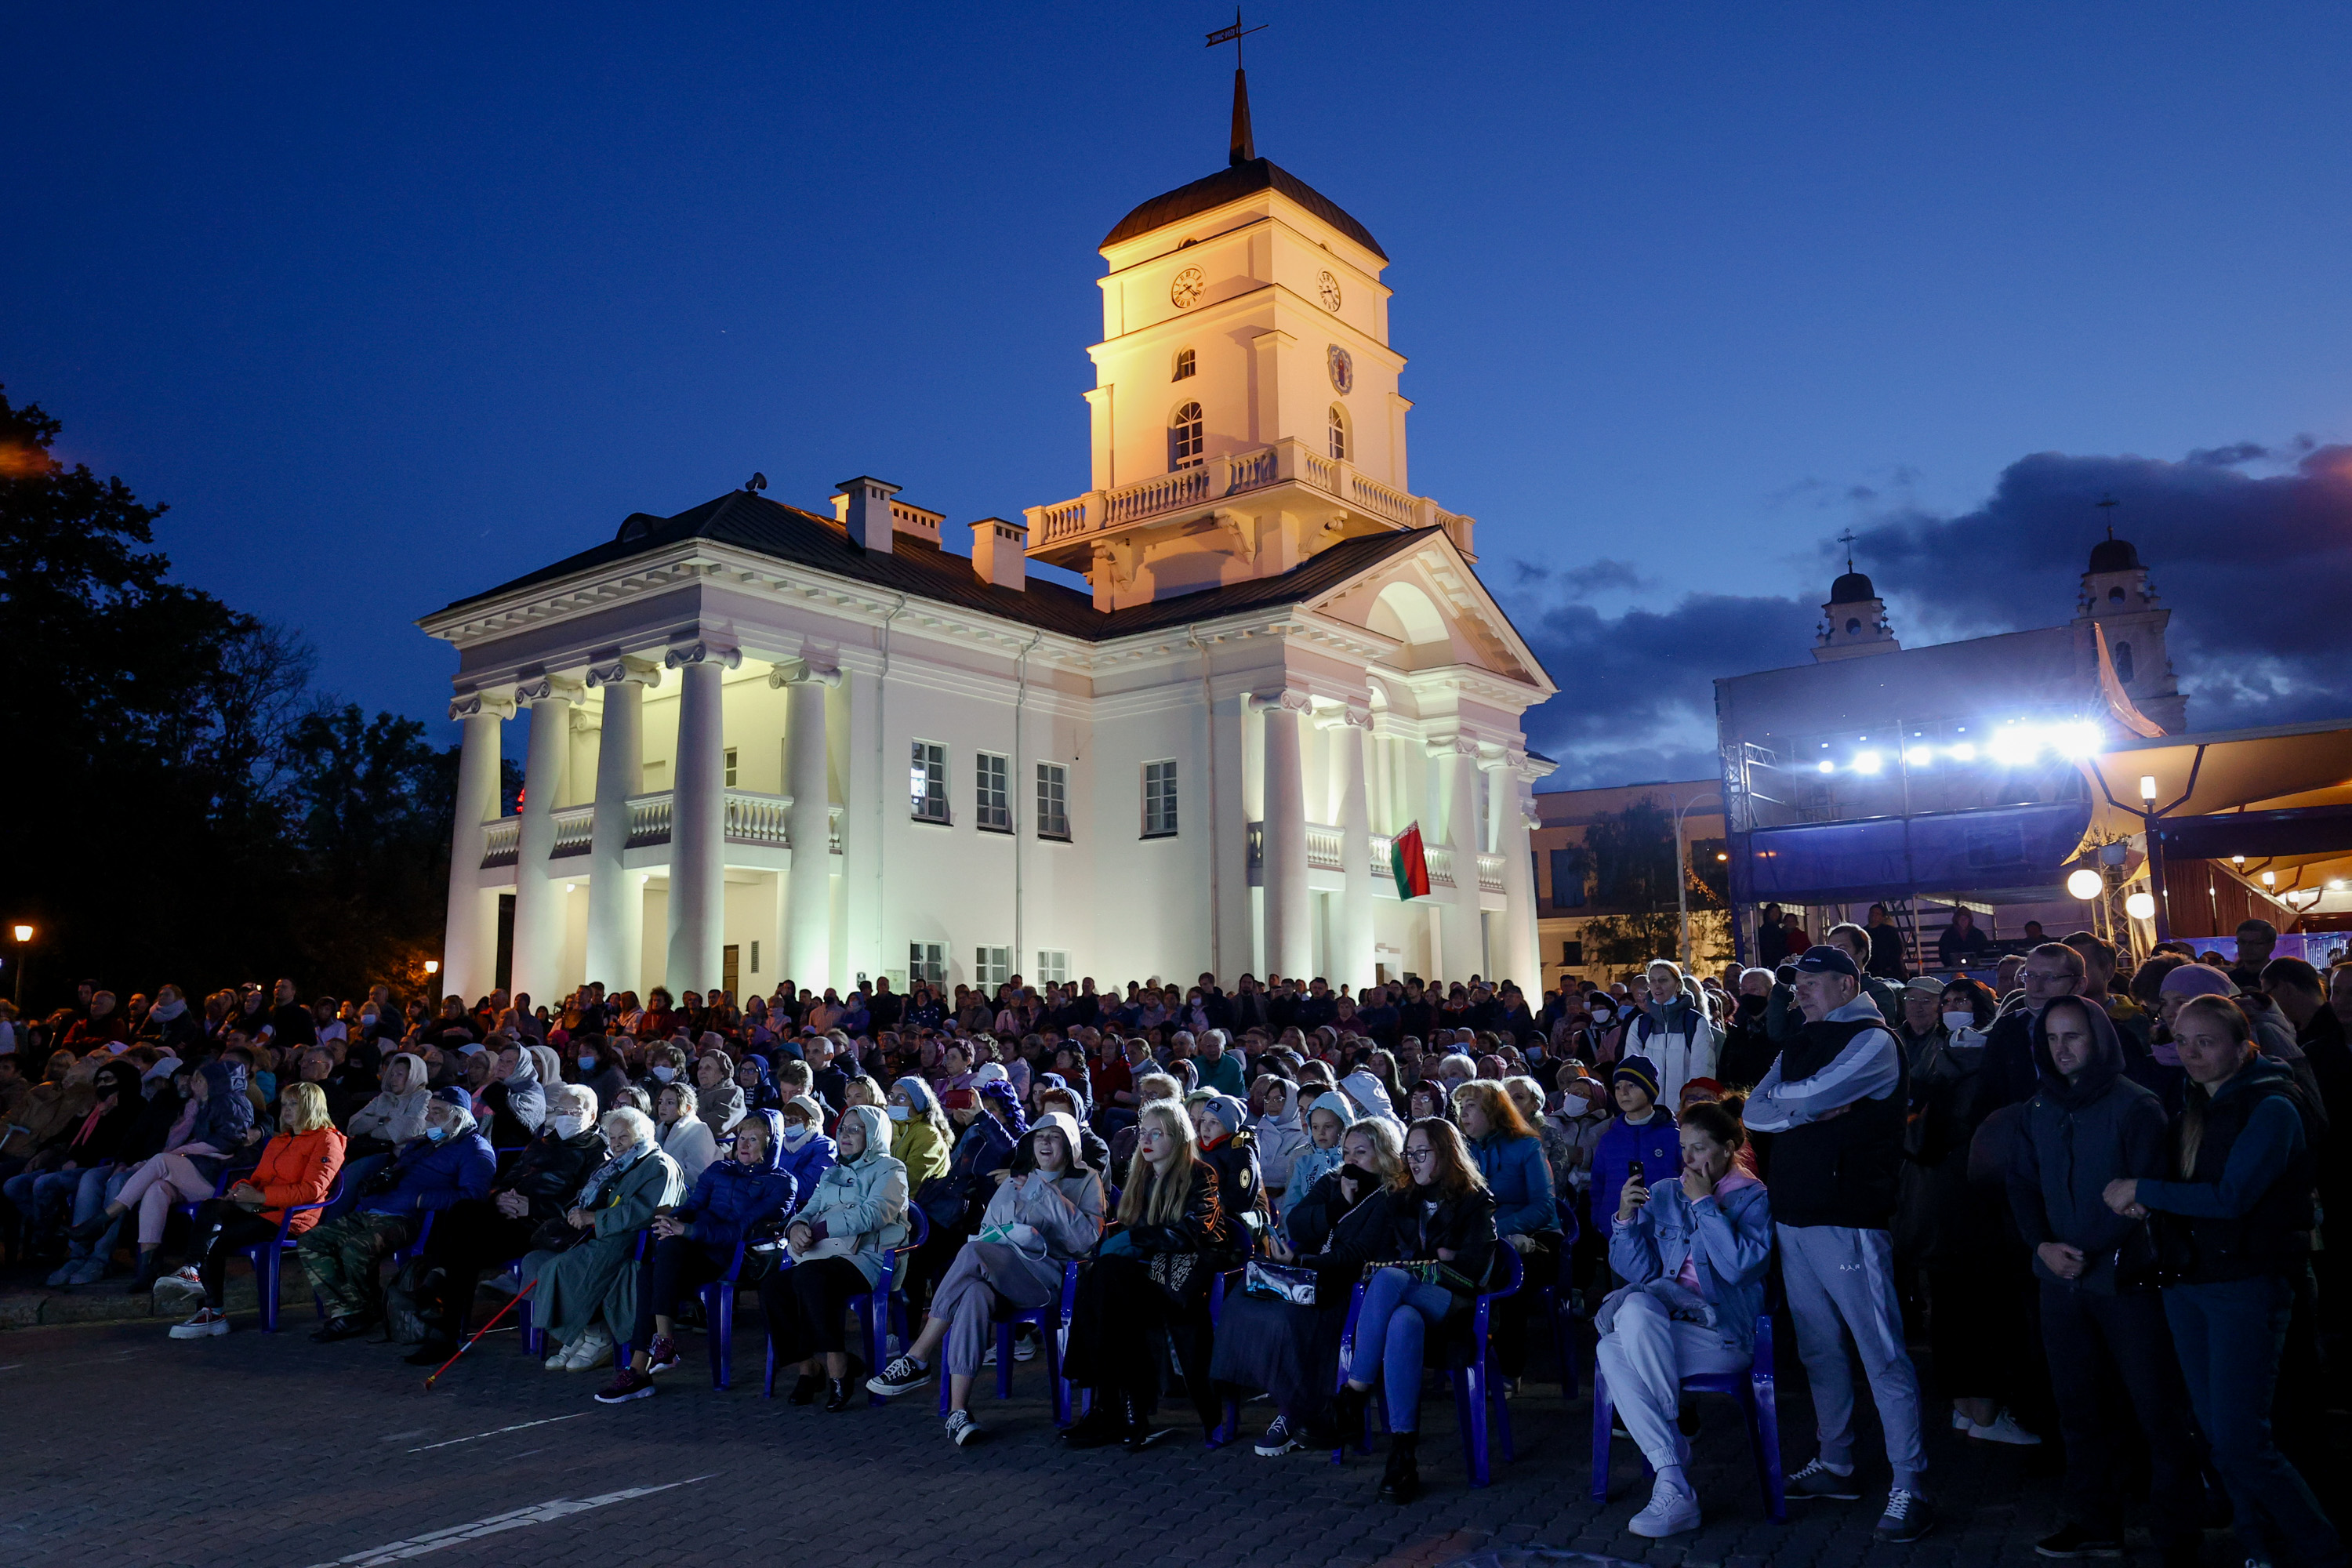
[297,1167]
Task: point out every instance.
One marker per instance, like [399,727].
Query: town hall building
[770,743]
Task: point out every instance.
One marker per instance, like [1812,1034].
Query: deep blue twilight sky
[391,304]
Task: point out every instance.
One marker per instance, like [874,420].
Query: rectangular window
[1159,800]
[755,957]
[927,962]
[1053,801]
[927,781]
[730,767]
[1053,964]
[991,966]
[991,795]
[1571,954]
[730,971]
[1567,877]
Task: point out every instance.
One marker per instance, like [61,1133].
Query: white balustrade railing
[501,841]
[833,828]
[1209,481]
[1326,848]
[759,818]
[1440,861]
[1490,873]
[574,827]
[649,819]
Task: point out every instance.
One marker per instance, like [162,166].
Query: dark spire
[1244,148]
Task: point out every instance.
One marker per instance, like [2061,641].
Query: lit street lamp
[24,934]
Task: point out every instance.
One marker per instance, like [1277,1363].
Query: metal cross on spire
[2108,507]
[1243,146]
[1847,539]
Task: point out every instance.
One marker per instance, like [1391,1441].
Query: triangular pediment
[1429,602]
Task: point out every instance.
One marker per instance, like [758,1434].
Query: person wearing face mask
[664,1064]
[586,1291]
[1608,1028]
[837,1242]
[598,1067]
[920,1135]
[735,1200]
[684,1136]
[2086,1126]
[1748,1046]
[450,1163]
[515,1099]
[475,1236]
[1048,1211]
[808,1153]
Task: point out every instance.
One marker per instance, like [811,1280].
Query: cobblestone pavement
[129,1448]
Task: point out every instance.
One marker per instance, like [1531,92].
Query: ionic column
[616,908]
[697,818]
[1509,812]
[1290,905]
[808,894]
[1345,731]
[470,943]
[1461,936]
[539,904]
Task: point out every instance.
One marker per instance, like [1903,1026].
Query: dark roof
[1853,588]
[918,568]
[2114,555]
[1229,184]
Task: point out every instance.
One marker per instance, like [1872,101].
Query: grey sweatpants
[1841,1281]
[966,1298]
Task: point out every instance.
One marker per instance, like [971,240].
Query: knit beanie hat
[1640,1071]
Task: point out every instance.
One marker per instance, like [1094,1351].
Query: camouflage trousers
[342,1258]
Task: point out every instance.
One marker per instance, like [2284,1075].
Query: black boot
[1402,1481]
[1347,1414]
[1142,1430]
[804,1388]
[1098,1427]
[836,1395]
[151,1268]
[93,1227]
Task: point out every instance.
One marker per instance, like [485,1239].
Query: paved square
[131,1448]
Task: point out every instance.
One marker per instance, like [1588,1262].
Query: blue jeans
[36,1193]
[2228,1336]
[1392,1325]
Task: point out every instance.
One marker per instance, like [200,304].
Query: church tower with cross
[1854,620]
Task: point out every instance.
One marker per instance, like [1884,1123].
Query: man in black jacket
[2086,1126]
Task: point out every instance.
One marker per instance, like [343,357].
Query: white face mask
[665,1072]
[1956,1022]
[567,1124]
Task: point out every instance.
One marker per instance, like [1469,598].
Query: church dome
[1853,588]
[1242,178]
[2114,555]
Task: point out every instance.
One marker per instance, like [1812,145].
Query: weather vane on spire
[1846,539]
[1245,145]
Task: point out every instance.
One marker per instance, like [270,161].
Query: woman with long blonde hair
[1150,1287]
[297,1167]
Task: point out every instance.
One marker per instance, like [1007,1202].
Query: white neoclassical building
[770,744]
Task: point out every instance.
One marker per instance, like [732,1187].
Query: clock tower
[1246,411]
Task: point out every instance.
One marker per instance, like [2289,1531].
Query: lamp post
[1681,874]
[24,935]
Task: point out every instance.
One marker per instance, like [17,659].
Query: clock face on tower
[1330,287]
[1185,291]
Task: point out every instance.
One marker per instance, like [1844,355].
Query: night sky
[393,304]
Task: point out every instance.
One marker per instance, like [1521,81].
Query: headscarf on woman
[721,1104]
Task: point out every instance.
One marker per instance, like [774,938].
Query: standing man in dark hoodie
[1835,1103]
[2302,994]
[2089,1125]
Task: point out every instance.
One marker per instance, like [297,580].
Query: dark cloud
[2256,566]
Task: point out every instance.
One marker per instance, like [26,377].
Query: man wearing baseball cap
[1835,1101]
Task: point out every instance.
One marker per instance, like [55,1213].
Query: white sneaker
[1961,1423]
[2003,1428]
[184,1281]
[589,1352]
[1672,1510]
[1023,1348]
[206,1324]
[560,1360]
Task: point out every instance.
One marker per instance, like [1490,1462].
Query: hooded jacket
[551,1171]
[1682,1040]
[1065,1210]
[689,1140]
[396,1118]
[1241,1185]
[1369,1095]
[98,1139]
[859,1210]
[1727,1238]
[1280,1139]
[731,1200]
[1941,1221]
[2101,1128]
[915,1142]
[426,1175]
[1520,1182]
[1310,1163]
[222,1120]
[809,1162]
[2245,1208]
[519,1104]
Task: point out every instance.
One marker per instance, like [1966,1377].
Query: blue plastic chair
[269,1258]
[1050,1321]
[719,1320]
[229,1177]
[1754,1390]
[1478,1392]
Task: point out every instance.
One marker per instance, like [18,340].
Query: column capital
[1349,716]
[1285,696]
[474,704]
[642,672]
[805,672]
[704,652]
[549,689]
[1452,746]
[1513,758]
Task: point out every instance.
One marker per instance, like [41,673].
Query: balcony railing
[1206,483]
[762,819]
[1490,873]
[1327,851]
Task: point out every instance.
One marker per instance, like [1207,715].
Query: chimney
[996,554]
[863,505]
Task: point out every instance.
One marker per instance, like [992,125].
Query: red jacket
[298,1168]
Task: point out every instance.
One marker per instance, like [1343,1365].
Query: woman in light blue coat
[838,1244]
[1694,1252]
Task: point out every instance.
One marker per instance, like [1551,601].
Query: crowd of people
[2095,1189]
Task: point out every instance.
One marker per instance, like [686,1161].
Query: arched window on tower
[1340,452]
[2115,596]
[1184,438]
[2123,662]
[1184,364]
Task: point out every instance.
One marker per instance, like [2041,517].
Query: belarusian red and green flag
[1407,864]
